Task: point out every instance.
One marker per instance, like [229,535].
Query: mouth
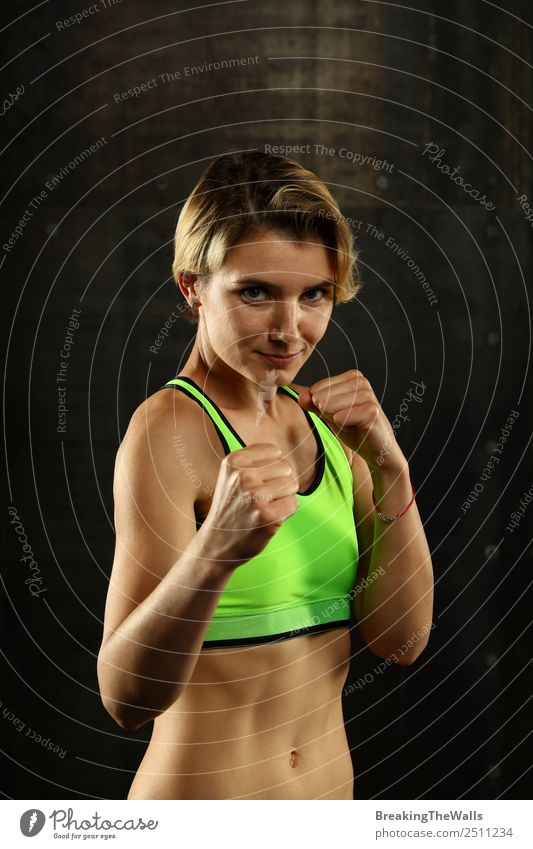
[279,360]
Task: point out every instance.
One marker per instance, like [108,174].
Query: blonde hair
[242,194]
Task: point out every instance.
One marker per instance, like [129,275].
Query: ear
[189,286]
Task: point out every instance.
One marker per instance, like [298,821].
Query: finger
[331,402]
[316,402]
[312,399]
[280,470]
[244,458]
[274,491]
[281,510]
[305,400]
[351,375]
[363,415]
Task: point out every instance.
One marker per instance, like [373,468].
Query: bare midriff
[255,722]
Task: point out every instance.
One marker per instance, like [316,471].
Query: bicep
[154,517]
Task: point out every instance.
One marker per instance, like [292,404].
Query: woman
[246,529]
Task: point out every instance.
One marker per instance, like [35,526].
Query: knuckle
[290,504]
[257,515]
[246,478]
[262,497]
[267,513]
[233,460]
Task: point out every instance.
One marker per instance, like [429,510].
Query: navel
[293,757]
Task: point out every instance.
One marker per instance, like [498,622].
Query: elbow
[123,701]
[389,648]
[130,723]
[403,656]
[404,659]
[124,714]
[129,719]
[409,657]
[118,711]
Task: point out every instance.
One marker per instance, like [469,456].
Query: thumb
[305,400]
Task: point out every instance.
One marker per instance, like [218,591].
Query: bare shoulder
[158,424]
[150,472]
[163,408]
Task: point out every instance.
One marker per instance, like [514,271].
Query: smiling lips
[276,360]
[279,356]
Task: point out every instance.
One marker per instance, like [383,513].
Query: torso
[260,721]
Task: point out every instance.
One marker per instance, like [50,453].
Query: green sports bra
[302,581]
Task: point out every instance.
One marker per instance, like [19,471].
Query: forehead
[282,257]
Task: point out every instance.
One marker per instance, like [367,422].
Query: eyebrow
[256,281]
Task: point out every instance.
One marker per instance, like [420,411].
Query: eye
[310,292]
[252,289]
[306,295]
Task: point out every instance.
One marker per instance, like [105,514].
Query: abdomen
[260,722]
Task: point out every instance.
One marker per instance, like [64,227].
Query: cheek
[239,326]
[221,317]
[315,327]
[247,323]
[232,329]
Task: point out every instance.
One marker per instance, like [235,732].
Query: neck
[232,390]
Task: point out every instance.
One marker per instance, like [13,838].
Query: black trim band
[217,408]
[220,435]
[276,638]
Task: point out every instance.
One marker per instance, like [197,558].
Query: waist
[311,761]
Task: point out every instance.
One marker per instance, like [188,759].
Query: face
[265,310]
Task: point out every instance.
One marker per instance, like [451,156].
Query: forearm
[397,604]
[145,665]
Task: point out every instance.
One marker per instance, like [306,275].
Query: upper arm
[154,507]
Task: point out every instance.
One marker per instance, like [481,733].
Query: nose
[285,322]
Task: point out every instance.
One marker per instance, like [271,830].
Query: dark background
[379,79]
